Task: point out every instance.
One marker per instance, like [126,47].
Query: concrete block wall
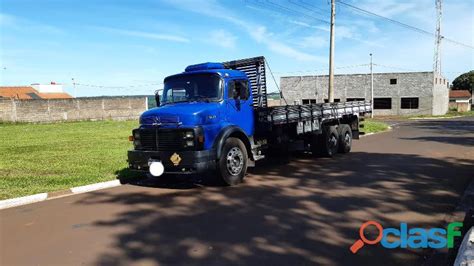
[432,100]
[95,108]
[440,95]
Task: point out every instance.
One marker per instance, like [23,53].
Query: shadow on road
[463,141]
[454,127]
[459,131]
[307,212]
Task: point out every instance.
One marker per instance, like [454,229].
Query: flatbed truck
[214,118]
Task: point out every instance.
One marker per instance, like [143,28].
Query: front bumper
[189,162]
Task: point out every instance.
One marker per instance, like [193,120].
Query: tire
[232,165]
[345,138]
[330,141]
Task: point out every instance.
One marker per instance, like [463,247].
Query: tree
[464,82]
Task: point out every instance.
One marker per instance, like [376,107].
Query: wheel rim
[235,161]
[332,141]
[347,139]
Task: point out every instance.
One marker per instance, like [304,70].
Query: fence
[94,108]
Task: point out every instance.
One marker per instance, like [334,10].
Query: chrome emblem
[175,159]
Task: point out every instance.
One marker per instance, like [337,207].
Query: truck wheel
[345,138]
[330,141]
[232,165]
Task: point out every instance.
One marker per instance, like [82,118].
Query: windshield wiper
[165,103]
[202,98]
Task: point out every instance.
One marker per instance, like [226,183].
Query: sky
[119,47]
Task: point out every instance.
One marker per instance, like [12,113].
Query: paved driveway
[306,212]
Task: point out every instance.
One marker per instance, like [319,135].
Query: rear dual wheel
[333,140]
[345,138]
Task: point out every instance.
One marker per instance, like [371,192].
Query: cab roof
[211,68]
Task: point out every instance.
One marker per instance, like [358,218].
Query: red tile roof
[17,92]
[459,94]
[51,95]
[27,92]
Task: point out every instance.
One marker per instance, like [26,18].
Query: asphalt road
[304,213]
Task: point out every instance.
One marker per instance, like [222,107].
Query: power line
[419,30]
[274,80]
[270,4]
[118,87]
[313,6]
[313,9]
[397,68]
[318,70]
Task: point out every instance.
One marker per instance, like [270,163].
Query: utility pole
[438,39]
[371,87]
[331,53]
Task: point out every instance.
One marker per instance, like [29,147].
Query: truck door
[238,101]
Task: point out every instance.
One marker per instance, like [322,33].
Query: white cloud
[342,32]
[389,8]
[146,35]
[22,24]
[258,32]
[222,38]
[261,35]
[314,41]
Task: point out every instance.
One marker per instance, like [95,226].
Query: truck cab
[200,109]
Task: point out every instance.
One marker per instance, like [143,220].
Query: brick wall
[95,108]
[432,99]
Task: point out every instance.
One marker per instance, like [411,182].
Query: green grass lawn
[37,158]
[372,126]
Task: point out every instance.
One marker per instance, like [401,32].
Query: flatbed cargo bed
[302,113]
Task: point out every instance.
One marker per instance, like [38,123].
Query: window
[335,100]
[192,87]
[409,103]
[393,81]
[383,103]
[175,95]
[308,101]
[238,89]
[355,99]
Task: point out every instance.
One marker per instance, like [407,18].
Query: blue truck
[214,118]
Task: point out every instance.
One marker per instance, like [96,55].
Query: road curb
[15,202]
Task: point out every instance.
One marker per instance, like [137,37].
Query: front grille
[161,139]
[148,139]
[170,140]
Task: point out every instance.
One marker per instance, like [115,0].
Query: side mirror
[157,98]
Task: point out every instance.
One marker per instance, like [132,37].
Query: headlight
[136,134]
[189,135]
[136,143]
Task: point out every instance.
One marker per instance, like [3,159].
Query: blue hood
[187,113]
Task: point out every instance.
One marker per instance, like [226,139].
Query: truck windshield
[192,87]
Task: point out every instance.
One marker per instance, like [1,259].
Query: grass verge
[37,158]
[372,126]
